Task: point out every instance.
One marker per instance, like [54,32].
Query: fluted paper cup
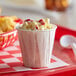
[36,46]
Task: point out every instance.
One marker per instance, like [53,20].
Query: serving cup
[36,46]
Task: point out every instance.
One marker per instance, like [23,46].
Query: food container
[8,38]
[36,46]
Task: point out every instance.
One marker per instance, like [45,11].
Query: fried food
[7,23]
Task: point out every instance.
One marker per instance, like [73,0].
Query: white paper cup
[36,46]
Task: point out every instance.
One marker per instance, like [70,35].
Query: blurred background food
[59,5]
[62,12]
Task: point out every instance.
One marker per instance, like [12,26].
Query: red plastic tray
[64,54]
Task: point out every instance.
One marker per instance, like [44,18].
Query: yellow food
[7,23]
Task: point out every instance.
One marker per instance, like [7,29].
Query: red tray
[65,55]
